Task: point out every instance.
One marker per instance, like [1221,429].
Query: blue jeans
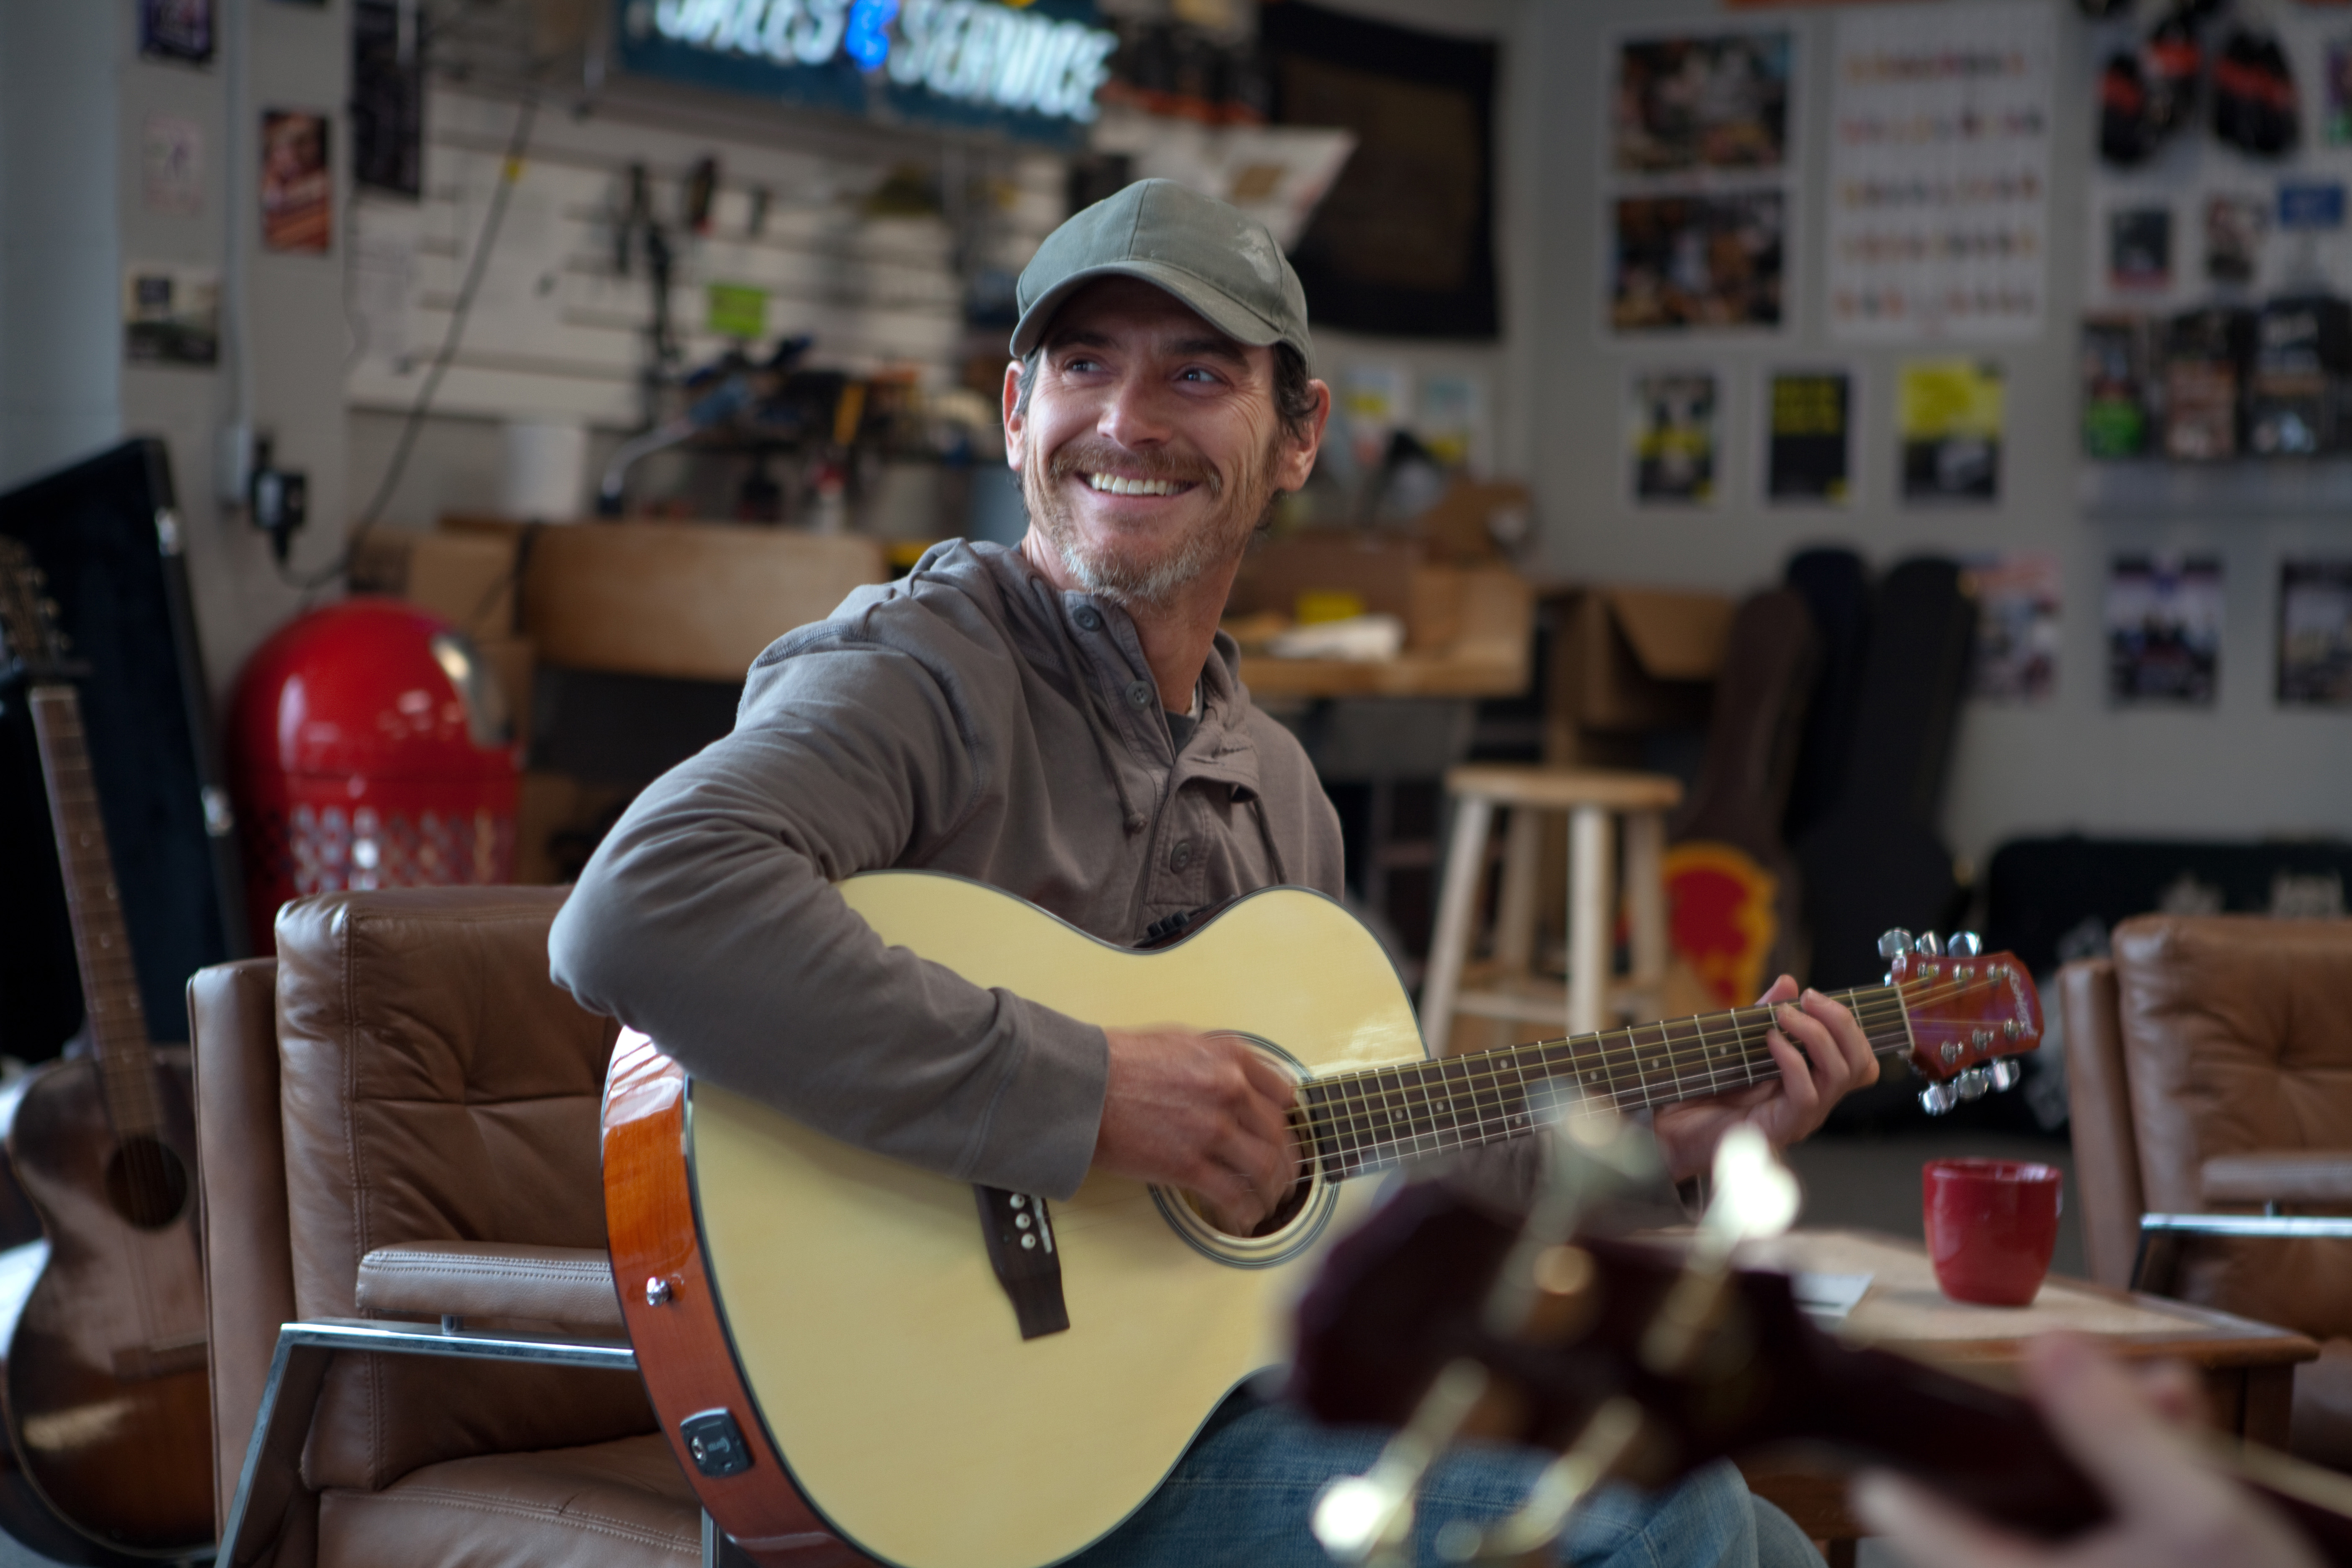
[1243,1495]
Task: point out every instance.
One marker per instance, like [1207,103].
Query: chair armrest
[486,1279]
[2281,1176]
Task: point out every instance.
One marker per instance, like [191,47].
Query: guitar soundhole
[1293,1203]
[146,1182]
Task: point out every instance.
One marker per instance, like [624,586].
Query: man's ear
[1299,450]
[1015,426]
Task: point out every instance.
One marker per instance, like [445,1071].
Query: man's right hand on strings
[1202,1113]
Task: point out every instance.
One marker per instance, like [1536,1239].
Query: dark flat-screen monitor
[105,533]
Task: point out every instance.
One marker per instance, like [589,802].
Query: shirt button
[1089,619]
[1182,856]
[1139,694]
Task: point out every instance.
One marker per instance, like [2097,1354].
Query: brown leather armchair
[2210,1070]
[397,1121]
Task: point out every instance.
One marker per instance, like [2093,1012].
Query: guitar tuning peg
[1895,942]
[1928,945]
[1965,944]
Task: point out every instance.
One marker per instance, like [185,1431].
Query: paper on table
[1826,1299]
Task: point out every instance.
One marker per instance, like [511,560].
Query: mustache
[1092,455]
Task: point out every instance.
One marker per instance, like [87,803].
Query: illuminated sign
[1033,71]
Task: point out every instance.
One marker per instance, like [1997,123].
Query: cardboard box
[467,579]
[1629,659]
[693,601]
[1391,574]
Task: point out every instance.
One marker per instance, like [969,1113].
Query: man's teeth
[1113,484]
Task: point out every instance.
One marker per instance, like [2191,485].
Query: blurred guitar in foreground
[1641,1359]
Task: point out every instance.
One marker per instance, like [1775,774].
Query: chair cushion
[2322,1420]
[570,1286]
[434,1086]
[622,1503]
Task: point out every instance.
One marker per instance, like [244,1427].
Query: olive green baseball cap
[1216,258]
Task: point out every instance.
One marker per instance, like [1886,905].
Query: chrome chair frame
[273,1456]
[2157,1256]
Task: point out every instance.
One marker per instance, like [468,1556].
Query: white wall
[60,380]
[297,59]
[2242,769]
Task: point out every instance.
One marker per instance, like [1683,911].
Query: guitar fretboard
[110,981]
[1379,1117]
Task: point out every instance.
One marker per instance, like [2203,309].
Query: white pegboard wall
[556,331]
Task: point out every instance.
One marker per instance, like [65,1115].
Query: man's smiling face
[1150,446]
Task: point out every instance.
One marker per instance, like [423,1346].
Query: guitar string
[1878,1005]
[1351,1107]
[1878,1008]
[1458,1131]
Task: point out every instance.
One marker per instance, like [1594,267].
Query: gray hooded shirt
[969,719]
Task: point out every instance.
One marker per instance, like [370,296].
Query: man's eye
[1196,372]
[1080,366]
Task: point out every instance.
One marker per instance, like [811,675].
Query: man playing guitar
[1065,722]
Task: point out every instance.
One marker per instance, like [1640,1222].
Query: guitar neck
[110,981]
[1379,1117]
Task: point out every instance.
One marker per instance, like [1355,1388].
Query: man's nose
[1134,414]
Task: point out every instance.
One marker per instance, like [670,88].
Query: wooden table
[2248,1367]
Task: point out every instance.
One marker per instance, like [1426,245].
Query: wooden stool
[1590,798]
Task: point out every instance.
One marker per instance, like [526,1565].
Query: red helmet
[371,750]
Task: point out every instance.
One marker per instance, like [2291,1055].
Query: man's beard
[1143,571]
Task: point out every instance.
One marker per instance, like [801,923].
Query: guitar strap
[1020,1235]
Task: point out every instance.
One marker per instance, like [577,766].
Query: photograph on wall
[171,165]
[177,29]
[2139,249]
[1704,263]
[297,186]
[2018,603]
[387,97]
[2314,633]
[2114,350]
[2336,123]
[171,314]
[1700,101]
[1939,171]
[2164,630]
[2234,225]
[1809,437]
[1672,443]
[1948,418]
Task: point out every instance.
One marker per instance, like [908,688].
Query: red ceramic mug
[1991,1224]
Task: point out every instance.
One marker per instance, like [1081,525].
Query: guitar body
[843,1307]
[105,1385]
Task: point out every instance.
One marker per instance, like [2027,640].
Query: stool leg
[1590,908]
[1515,914]
[1465,865]
[1645,892]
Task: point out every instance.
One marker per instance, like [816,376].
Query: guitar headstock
[1970,1013]
[30,643]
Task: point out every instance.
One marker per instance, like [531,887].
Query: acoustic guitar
[104,1388]
[852,1358]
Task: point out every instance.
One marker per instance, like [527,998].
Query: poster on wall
[2314,633]
[297,190]
[1705,262]
[2139,248]
[171,314]
[1948,418]
[1807,438]
[2164,630]
[171,165]
[387,97]
[1941,117]
[1687,102]
[1671,437]
[2018,604]
[176,30]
